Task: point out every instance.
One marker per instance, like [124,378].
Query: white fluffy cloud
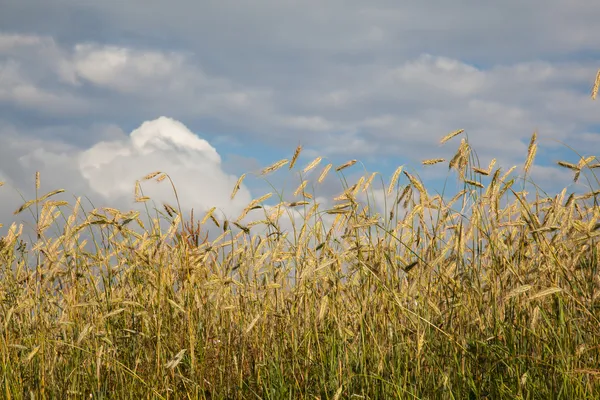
[106,172]
[111,168]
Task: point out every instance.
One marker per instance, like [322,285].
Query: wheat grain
[480,171]
[237,186]
[394,179]
[295,156]
[137,190]
[369,181]
[507,173]
[459,153]
[298,203]
[170,210]
[346,165]
[405,192]
[261,199]
[300,187]
[115,213]
[343,196]
[151,175]
[451,135]
[595,87]
[358,185]
[417,184]
[473,183]
[324,173]
[313,164]
[589,195]
[338,211]
[343,205]
[531,150]
[462,166]
[492,163]
[565,164]
[274,167]
[585,161]
[432,161]
[208,214]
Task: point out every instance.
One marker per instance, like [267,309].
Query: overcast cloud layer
[83,87]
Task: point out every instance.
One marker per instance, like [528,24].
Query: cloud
[373,109]
[106,172]
[126,70]
[111,168]
[32,71]
[99,79]
[304,32]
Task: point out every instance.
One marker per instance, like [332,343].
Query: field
[490,294]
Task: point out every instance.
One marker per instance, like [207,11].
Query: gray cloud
[414,102]
[311,30]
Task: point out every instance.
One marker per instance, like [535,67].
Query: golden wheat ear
[595,87]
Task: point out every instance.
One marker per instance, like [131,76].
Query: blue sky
[379,81]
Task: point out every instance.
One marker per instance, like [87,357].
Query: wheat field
[491,294]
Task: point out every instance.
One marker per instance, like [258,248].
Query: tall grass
[494,296]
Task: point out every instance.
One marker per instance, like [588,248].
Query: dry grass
[498,298]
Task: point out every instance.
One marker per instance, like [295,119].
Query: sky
[95,95]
